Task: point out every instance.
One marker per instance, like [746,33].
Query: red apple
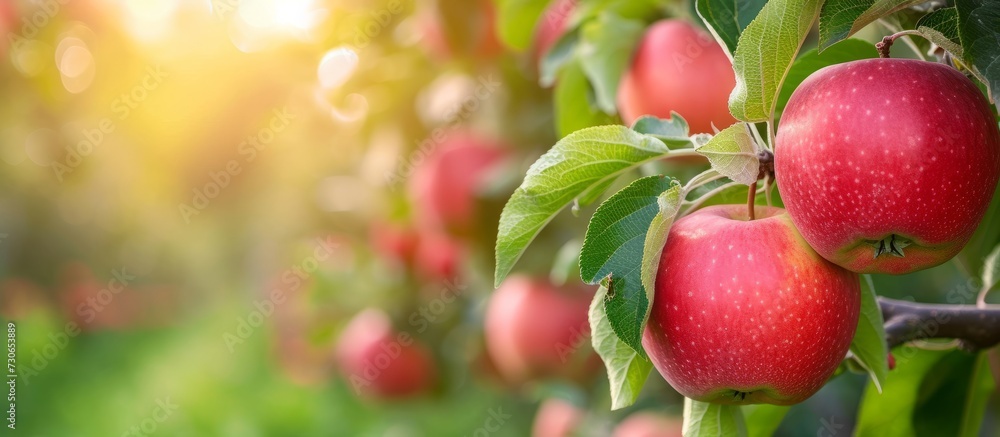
[443,188]
[535,330]
[479,37]
[557,418]
[887,165]
[393,242]
[379,362]
[646,424]
[438,256]
[114,303]
[551,27]
[678,67]
[745,312]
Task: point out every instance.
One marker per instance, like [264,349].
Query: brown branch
[975,328]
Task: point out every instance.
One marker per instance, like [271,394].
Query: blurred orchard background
[266,217]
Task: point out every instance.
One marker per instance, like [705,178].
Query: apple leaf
[605,51]
[842,18]
[673,131]
[516,21]
[726,19]
[565,265]
[703,419]
[952,397]
[814,60]
[627,371]
[991,269]
[557,57]
[733,153]
[941,28]
[614,246]
[869,345]
[572,108]
[669,204]
[763,419]
[580,161]
[765,51]
[933,393]
[980,37]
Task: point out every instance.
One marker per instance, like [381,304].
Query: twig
[976,328]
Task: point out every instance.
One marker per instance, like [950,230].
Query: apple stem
[886,43]
[975,328]
[751,195]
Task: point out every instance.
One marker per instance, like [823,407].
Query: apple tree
[885,158]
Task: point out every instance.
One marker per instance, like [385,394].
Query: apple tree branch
[975,328]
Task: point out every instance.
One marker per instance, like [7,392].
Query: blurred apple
[443,188]
[678,67]
[557,418]
[646,424]
[438,256]
[115,303]
[393,242]
[19,298]
[551,27]
[535,330]
[379,362]
[460,28]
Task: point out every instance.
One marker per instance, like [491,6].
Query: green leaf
[765,51]
[669,204]
[560,54]
[842,18]
[614,246]
[605,51]
[673,131]
[578,162]
[726,19]
[930,393]
[941,27]
[629,9]
[733,153]
[869,345]
[952,397]
[516,20]
[888,414]
[763,419]
[565,265]
[980,37]
[813,60]
[991,269]
[627,371]
[702,419]
[573,111]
